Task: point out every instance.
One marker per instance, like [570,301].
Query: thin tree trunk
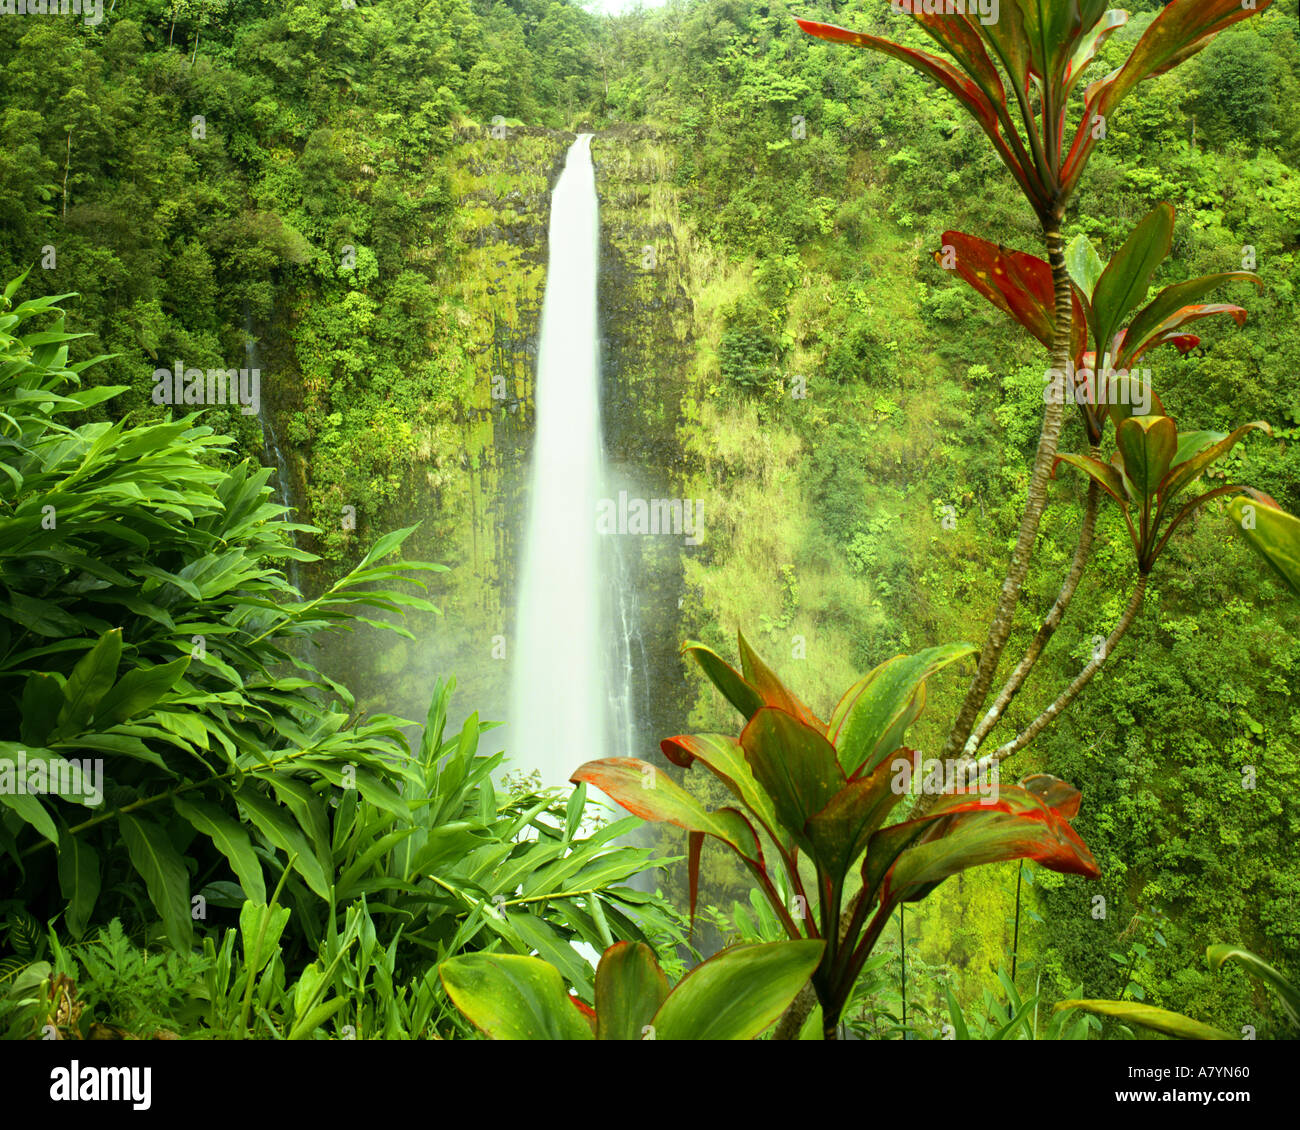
[66,165]
[1049,626]
[1035,502]
[1068,695]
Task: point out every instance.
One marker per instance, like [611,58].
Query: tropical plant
[146,627]
[1018,75]
[735,995]
[820,792]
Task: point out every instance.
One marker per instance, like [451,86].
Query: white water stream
[559,702]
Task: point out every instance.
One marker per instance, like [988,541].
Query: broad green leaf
[137,691]
[737,993]
[1288,993]
[1107,477]
[1273,534]
[28,808]
[79,881]
[651,794]
[725,758]
[231,839]
[630,987]
[726,678]
[872,718]
[512,998]
[1124,282]
[1148,1016]
[260,928]
[164,873]
[793,764]
[1084,264]
[90,680]
[1181,474]
[1148,445]
[276,826]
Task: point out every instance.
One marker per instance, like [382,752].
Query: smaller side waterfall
[271,442]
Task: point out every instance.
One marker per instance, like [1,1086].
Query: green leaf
[137,691]
[1107,477]
[872,718]
[272,822]
[1148,445]
[793,764]
[1084,264]
[90,680]
[1124,282]
[512,998]
[1288,993]
[737,993]
[1184,471]
[231,839]
[1161,313]
[1148,1016]
[724,756]
[31,810]
[726,678]
[260,928]
[78,881]
[164,874]
[1273,534]
[630,988]
[651,794]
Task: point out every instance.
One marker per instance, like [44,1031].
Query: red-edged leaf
[726,678]
[839,833]
[1087,47]
[651,794]
[1175,305]
[1183,28]
[723,756]
[630,987]
[1055,793]
[1148,445]
[964,830]
[1016,283]
[1107,477]
[794,764]
[870,721]
[773,692]
[965,89]
[588,1013]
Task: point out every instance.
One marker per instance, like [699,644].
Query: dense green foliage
[197,173]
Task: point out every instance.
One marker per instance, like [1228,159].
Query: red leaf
[966,91]
[1016,283]
[1182,29]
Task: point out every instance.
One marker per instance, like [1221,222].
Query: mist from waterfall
[559,702]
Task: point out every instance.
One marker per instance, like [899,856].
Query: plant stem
[1068,695]
[1035,500]
[1012,687]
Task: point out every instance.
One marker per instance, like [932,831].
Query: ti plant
[1104,297]
[1020,76]
[817,795]
[735,995]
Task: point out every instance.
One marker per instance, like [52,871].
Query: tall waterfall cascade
[559,700]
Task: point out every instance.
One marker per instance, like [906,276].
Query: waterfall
[559,705]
